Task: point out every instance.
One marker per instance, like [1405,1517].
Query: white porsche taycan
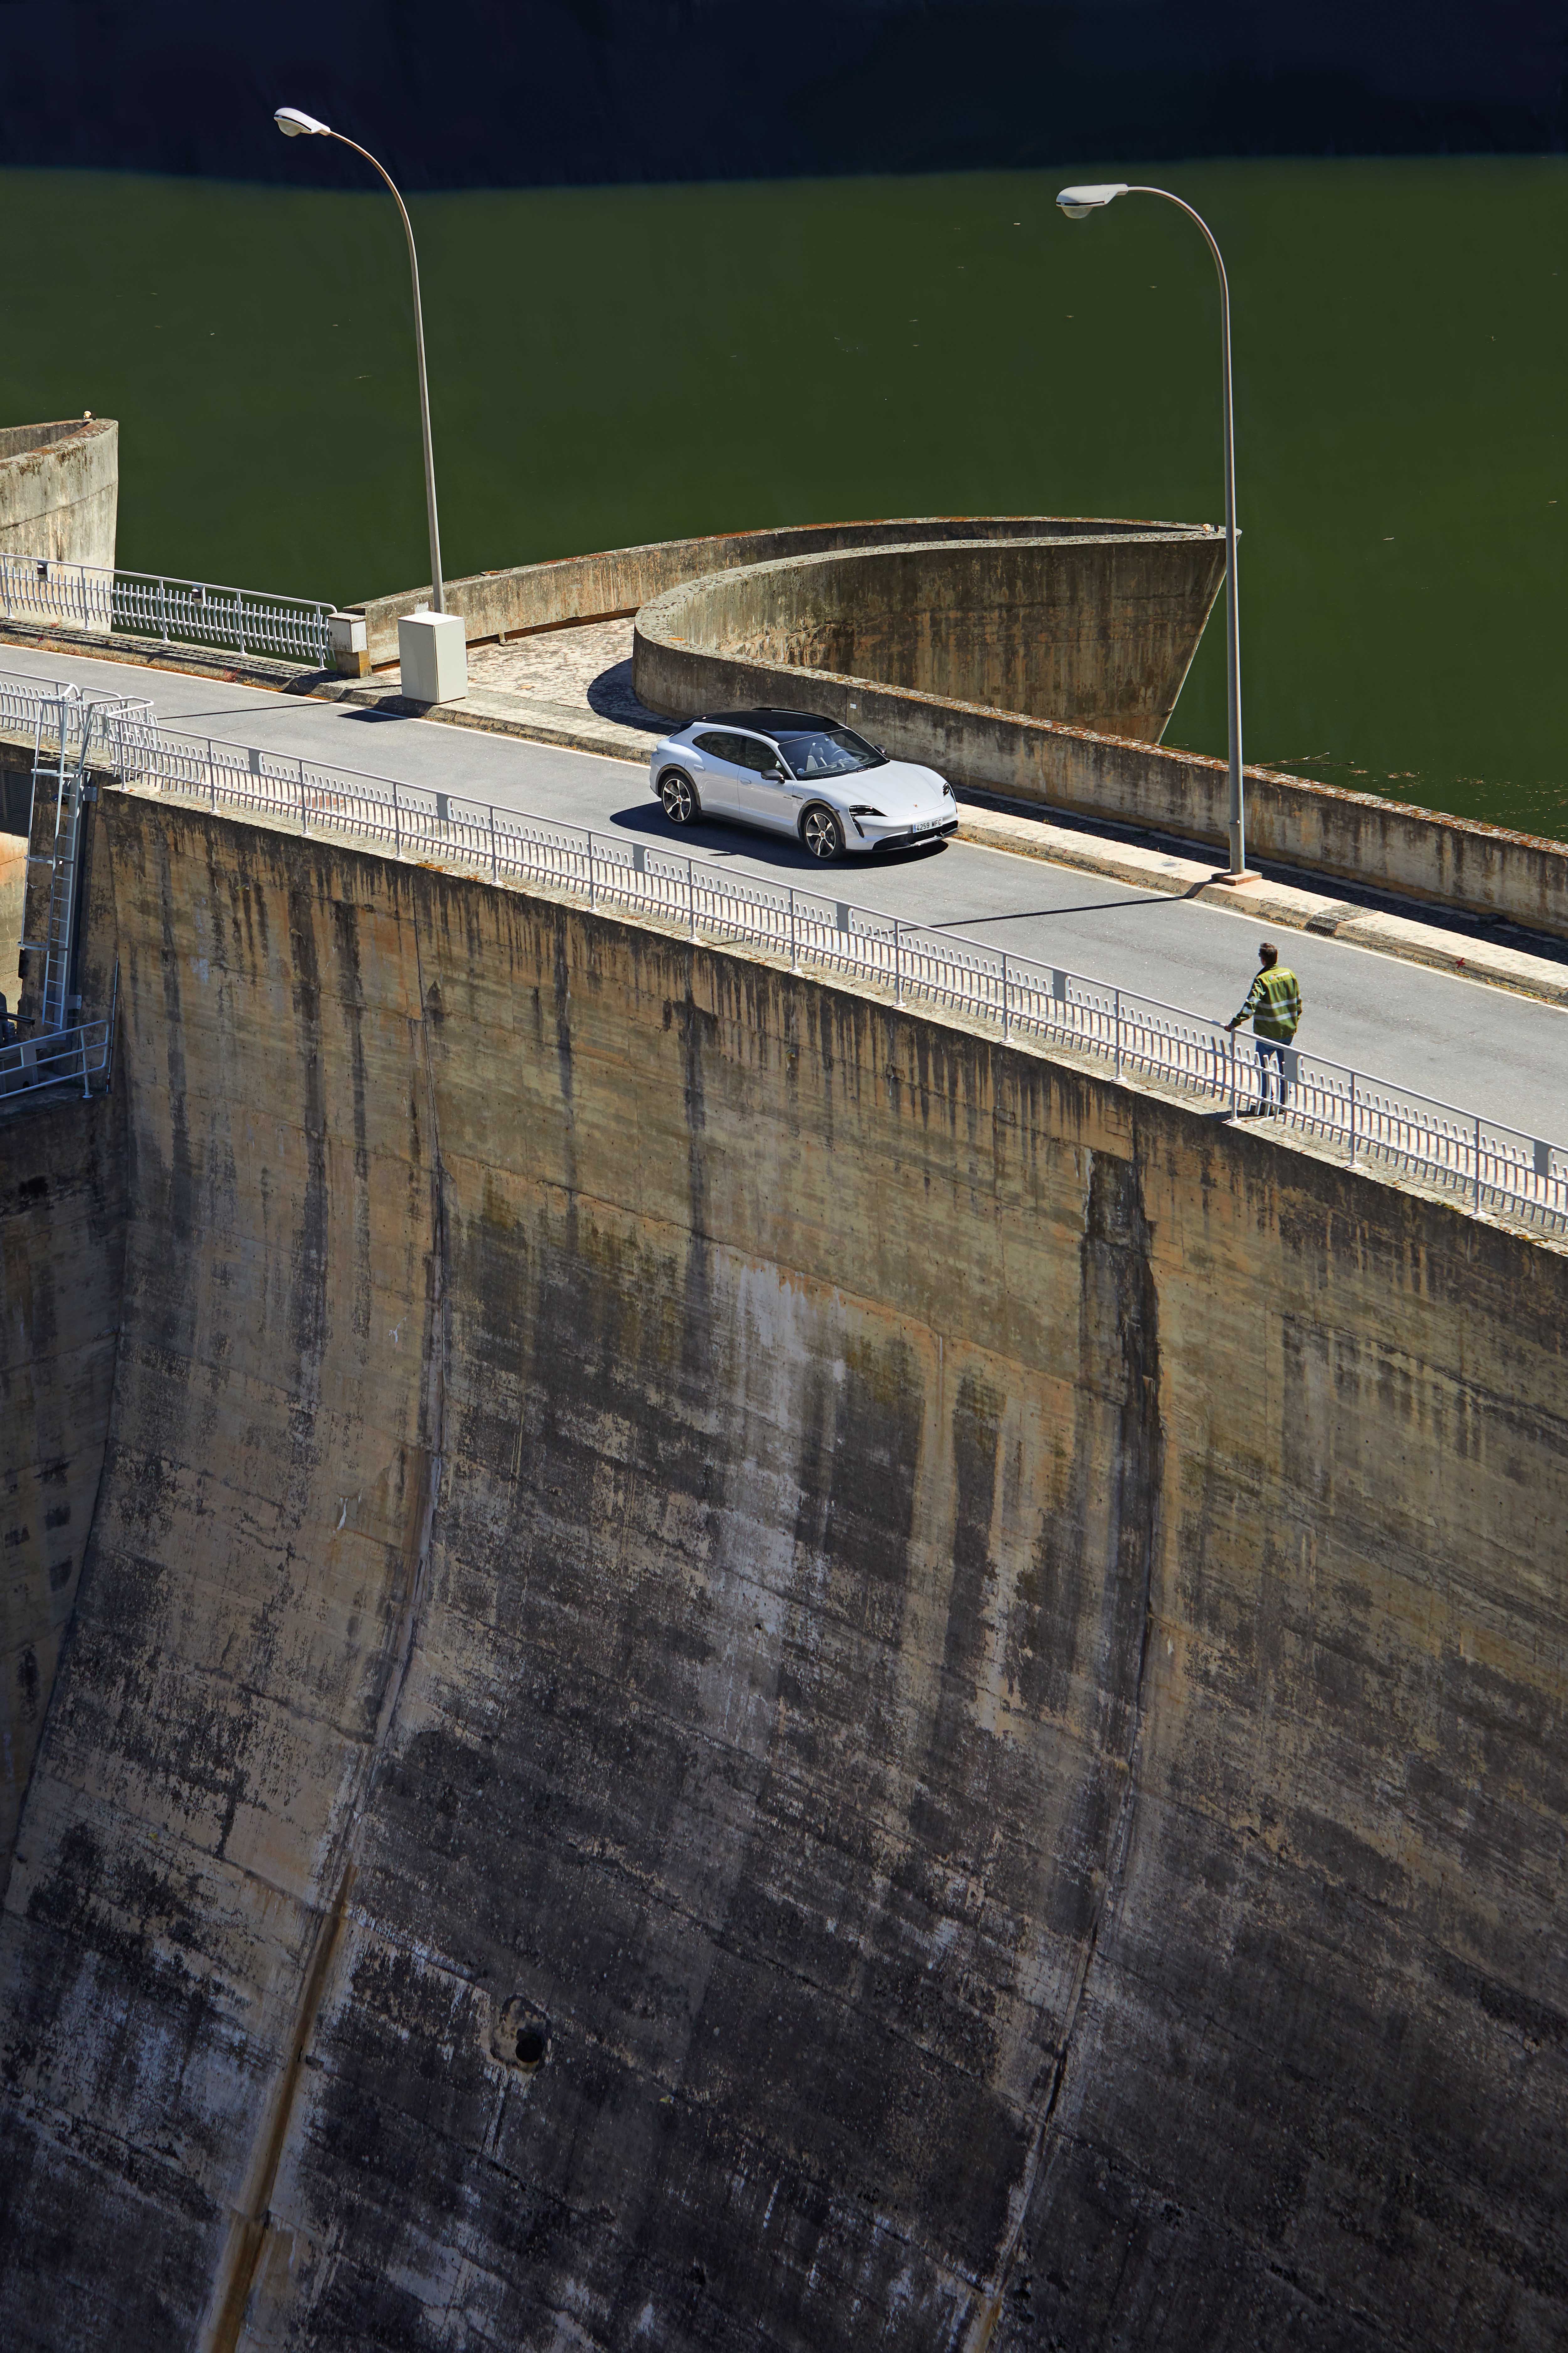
[792,772]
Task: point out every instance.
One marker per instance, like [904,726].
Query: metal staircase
[67,725]
[62,1045]
[59,775]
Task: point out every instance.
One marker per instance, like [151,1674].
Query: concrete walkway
[1478,1048]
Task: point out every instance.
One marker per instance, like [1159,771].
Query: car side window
[761,758]
[718,747]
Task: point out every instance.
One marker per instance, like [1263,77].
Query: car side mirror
[774,776]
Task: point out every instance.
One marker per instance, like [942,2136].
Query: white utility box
[433,657]
[348,644]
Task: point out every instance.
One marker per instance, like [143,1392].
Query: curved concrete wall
[616,582]
[1092,631]
[984,1656]
[60,490]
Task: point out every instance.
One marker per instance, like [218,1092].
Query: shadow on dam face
[756,1672]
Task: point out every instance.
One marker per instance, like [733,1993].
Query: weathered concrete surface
[12,894]
[62,1256]
[979,1661]
[60,490]
[616,581]
[1094,632]
[62,1206]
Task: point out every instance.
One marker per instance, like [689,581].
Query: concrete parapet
[60,490]
[614,582]
[1090,630]
[748,1659]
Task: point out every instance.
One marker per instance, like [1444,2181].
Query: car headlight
[864,809]
[947,788]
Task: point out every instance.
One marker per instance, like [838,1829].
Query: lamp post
[1077,204]
[294,124]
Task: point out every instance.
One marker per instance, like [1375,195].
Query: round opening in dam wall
[521,2036]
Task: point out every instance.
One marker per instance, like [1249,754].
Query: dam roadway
[1476,1047]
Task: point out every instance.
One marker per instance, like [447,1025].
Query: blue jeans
[1273,1086]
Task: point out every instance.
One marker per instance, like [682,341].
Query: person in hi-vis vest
[1274,1007]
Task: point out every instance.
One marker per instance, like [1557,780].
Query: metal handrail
[1482,1163]
[80,1055]
[155,604]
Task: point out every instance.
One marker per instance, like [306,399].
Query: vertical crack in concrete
[249,2225]
[1118,1276]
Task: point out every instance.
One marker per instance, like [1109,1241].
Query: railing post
[1004,993]
[396,821]
[1234,1101]
[162,614]
[1119,1033]
[792,964]
[1478,1161]
[691,898]
[304,825]
[495,869]
[592,901]
[897,962]
[1352,1119]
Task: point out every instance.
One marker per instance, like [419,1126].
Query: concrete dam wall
[754,1673]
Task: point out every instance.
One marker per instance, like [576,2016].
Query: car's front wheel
[822,833]
[679,794]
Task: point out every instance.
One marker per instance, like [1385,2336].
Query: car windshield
[835,752]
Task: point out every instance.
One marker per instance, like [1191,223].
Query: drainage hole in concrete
[520,2036]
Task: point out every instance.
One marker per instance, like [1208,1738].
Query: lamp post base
[1234,879]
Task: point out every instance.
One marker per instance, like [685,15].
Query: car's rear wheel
[678,793]
[822,833]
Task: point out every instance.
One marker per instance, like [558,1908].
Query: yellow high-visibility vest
[1274,1001]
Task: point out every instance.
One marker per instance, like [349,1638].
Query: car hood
[899,789]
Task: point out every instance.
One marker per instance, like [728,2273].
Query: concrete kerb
[1272,901]
[153,653]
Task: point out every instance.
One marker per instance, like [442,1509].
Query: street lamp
[1077,204]
[294,124]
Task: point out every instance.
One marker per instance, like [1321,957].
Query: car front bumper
[874,837]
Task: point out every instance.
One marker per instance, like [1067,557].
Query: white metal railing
[70,717]
[148,605]
[1482,1163]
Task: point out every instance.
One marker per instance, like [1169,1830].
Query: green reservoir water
[623,365]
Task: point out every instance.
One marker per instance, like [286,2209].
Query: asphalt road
[1478,1048]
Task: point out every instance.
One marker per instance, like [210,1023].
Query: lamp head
[1078,203]
[294,124]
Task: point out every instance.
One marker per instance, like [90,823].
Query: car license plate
[925,824]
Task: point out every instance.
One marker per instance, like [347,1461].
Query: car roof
[767,722]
